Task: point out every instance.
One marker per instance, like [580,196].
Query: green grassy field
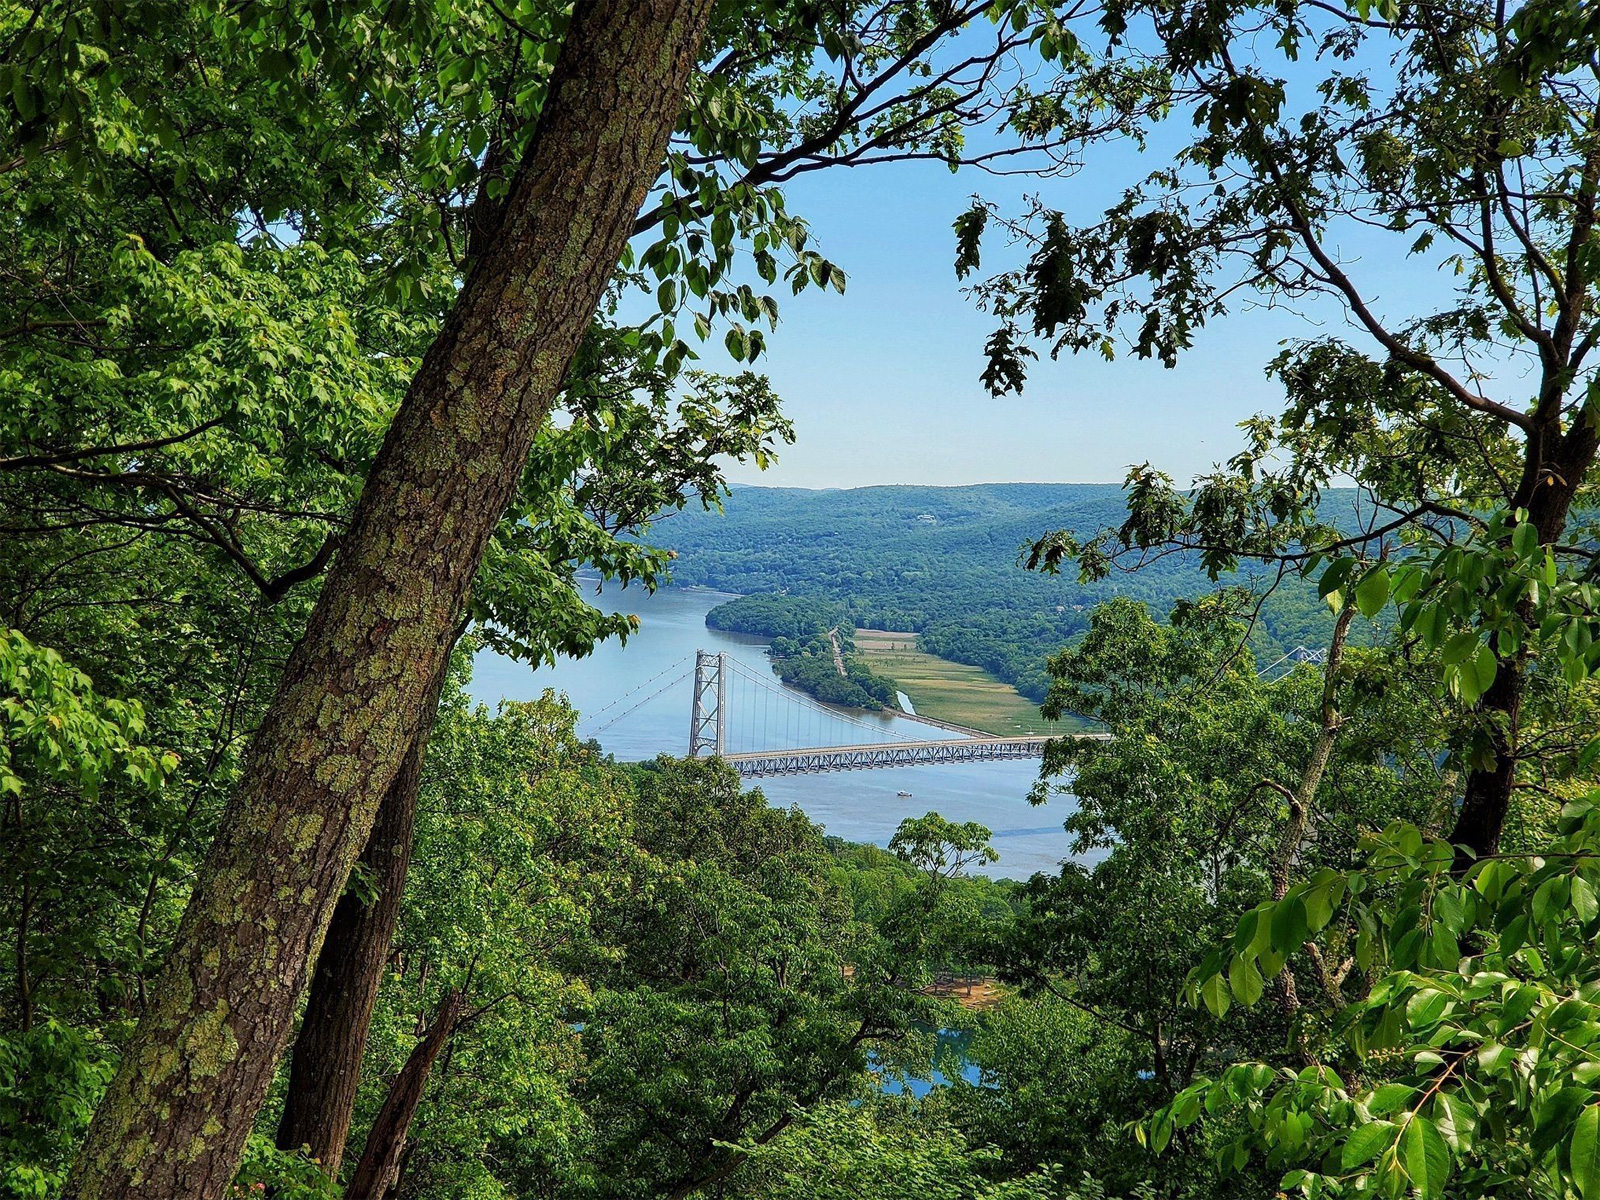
[949,691]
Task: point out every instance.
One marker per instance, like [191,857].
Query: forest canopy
[944,563]
[340,342]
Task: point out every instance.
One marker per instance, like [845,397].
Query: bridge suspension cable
[754,702]
[880,733]
[1291,660]
[671,683]
[636,690]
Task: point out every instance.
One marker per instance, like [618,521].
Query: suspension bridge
[1285,666]
[761,728]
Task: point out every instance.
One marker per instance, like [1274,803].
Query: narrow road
[838,654]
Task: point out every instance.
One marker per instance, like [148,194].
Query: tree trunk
[1550,484]
[380,1161]
[24,983]
[1302,801]
[352,698]
[325,1070]
[1487,797]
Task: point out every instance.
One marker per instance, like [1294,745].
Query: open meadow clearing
[949,691]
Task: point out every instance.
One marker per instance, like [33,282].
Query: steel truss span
[886,754]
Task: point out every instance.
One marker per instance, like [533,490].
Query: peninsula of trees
[944,563]
[812,647]
[337,339]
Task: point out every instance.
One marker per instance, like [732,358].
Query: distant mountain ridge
[943,561]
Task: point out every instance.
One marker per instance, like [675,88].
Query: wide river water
[627,699]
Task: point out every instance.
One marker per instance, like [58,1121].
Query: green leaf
[1391,1097]
[1475,674]
[1426,1157]
[1584,1152]
[1521,1002]
[1245,980]
[1487,668]
[1556,1114]
[1244,934]
[1525,540]
[1448,910]
[1456,1121]
[1460,647]
[1493,1056]
[1319,907]
[1335,577]
[1289,925]
[1372,593]
[1214,991]
[1584,902]
[1366,1143]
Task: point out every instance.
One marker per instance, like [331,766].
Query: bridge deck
[888,754]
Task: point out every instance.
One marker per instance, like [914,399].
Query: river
[627,699]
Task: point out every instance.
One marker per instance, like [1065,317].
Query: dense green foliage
[791,618]
[655,963]
[221,273]
[813,647]
[890,1154]
[1467,1067]
[1451,1050]
[944,563]
[1189,799]
[230,233]
[1341,938]
[810,666]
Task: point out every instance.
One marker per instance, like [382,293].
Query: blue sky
[882,382]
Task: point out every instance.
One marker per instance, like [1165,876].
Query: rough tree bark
[350,705]
[325,1071]
[380,1161]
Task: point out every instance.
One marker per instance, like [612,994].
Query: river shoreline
[654,669]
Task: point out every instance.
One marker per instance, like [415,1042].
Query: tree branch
[23,461]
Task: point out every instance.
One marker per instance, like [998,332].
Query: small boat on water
[902,793]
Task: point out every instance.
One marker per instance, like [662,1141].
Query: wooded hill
[944,562]
[322,366]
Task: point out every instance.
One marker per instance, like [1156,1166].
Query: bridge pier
[708,720]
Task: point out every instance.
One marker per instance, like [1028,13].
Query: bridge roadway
[815,760]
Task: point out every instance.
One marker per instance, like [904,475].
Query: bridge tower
[708,722]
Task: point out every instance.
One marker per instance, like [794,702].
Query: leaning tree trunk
[1303,800]
[380,1161]
[350,705]
[325,1070]
[1487,798]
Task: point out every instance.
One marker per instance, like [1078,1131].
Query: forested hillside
[336,340]
[944,562]
[812,647]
